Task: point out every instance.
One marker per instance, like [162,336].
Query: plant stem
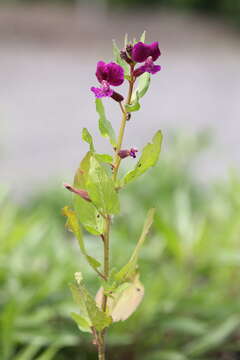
[117,160]
[101,347]
[105,237]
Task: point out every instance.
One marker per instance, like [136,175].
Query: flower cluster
[112,74]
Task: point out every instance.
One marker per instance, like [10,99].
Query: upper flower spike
[141,51]
[108,74]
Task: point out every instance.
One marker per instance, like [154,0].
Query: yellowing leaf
[123,303]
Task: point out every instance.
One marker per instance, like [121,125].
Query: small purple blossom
[107,74]
[125,153]
[146,53]
[141,51]
[132,152]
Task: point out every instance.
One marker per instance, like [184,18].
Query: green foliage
[101,189]
[149,158]
[74,226]
[86,212]
[189,268]
[89,311]
[105,126]
[129,269]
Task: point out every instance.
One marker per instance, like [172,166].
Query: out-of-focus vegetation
[228,8]
[190,266]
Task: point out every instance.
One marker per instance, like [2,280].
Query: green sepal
[86,212]
[119,60]
[149,158]
[88,308]
[86,136]
[101,189]
[74,226]
[105,126]
[129,269]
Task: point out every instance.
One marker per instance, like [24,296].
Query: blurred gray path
[47,65]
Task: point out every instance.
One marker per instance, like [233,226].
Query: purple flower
[125,153]
[146,53]
[141,51]
[107,74]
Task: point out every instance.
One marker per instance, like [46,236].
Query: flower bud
[125,57]
[125,153]
[129,48]
[82,193]
[117,97]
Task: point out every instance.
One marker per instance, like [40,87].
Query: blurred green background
[190,268]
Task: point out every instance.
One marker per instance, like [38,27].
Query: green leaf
[125,299]
[74,226]
[86,212]
[28,352]
[101,189]
[105,126]
[129,269]
[214,338]
[149,158]
[119,60]
[143,36]
[143,86]
[105,158]
[83,324]
[89,309]
[86,136]
[134,106]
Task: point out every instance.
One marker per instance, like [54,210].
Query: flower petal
[154,50]
[101,72]
[115,74]
[140,52]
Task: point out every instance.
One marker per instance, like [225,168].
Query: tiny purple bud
[117,97]
[129,48]
[125,153]
[125,57]
[82,193]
